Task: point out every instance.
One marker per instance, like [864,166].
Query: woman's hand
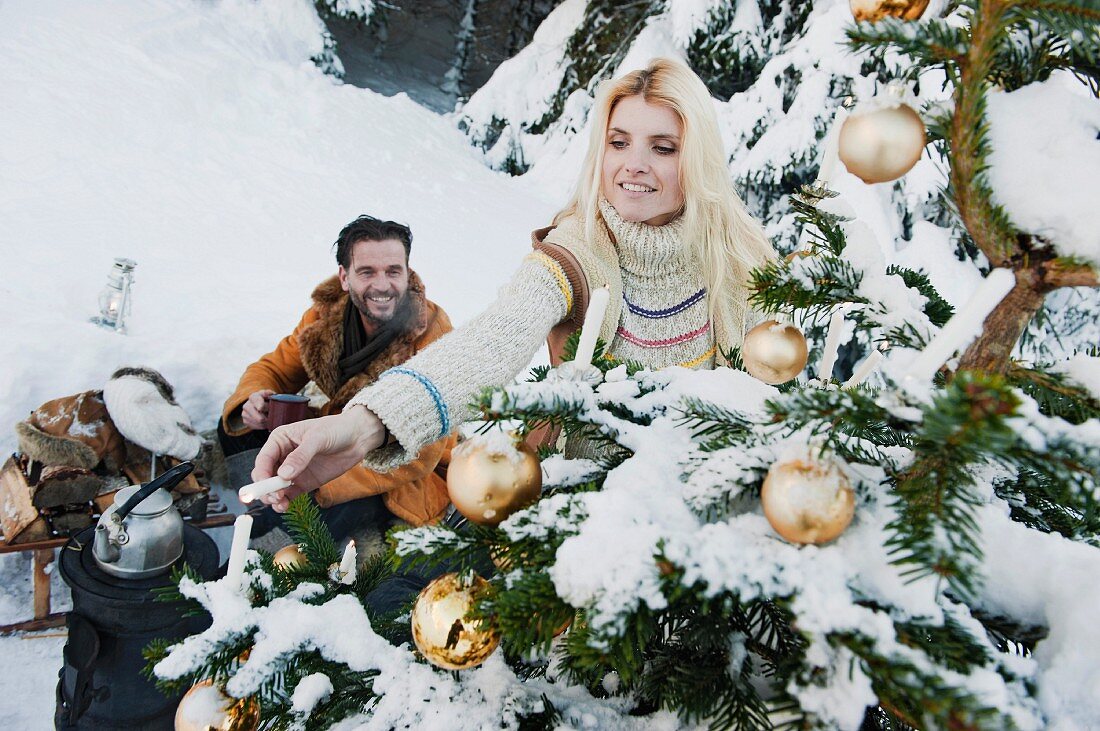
[312,452]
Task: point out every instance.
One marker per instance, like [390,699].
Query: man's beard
[362,305]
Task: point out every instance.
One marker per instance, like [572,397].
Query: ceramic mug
[286,408]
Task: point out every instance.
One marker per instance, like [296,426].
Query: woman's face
[641,162]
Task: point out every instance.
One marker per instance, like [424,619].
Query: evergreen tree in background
[961,596]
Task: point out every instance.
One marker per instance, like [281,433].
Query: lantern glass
[114,300]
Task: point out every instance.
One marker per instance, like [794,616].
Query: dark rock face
[428,49]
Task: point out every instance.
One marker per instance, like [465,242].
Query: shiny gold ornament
[876,10]
[774,353]
[441,630]
[883,144]
[206,708]
[501,560]
[492,476]
[808,500]
[290,557]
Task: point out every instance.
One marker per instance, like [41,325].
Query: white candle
[347,564]
[829,157]
[248,493]
[242,529]
[593,319]
[832,342]
[866,368]
[961,329]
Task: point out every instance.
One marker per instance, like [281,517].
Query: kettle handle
[168,480]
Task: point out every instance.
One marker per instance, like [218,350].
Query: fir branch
[171,592]
[733,357]
[916,696]
[539,373]
[848,422]
[822,226]
[371,573]
[1034,501]
[933,42]
[219,665]
[936,531]
[880,719]
[949,645]
[304,524]
[1007,634]
[548,719]
[1055,393]
[1074,23]
[716,426]
[434,545]
[822,282]
[524,606]
[937,309]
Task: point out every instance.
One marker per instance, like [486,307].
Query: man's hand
[312,452]
[254,411]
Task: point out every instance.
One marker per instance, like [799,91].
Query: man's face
[377,278]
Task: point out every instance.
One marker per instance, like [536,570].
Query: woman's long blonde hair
[728,242]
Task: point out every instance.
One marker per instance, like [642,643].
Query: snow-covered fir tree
[963,593]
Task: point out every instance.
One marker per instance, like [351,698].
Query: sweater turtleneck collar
[645,249]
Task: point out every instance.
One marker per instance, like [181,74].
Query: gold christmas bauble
[881,145]
[441,630]
[774,353]
[491,477]
[808,500]
[501,560]
[206,708]
[290,557]
[875,10]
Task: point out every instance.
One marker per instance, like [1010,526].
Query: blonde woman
[654,218]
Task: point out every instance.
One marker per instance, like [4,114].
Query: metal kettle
[141,534]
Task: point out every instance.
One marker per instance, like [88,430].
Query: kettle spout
[104,549]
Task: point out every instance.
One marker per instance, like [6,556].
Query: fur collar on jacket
[320,343]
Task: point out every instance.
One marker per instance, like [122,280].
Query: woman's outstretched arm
[426,397]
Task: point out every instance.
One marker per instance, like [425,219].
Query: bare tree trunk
[1004,326]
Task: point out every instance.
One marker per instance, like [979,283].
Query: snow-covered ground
[199,140]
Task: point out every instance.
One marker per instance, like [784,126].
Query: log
[39,530]
[71,521]
[17,511]
[104,501]
[63,485]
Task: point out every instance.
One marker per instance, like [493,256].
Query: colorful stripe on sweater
[437,397]
[702,358]
[559,275]
[668,311]
[665,342]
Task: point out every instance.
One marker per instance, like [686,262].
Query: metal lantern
[114,300]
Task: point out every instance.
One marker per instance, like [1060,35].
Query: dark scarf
[359,350]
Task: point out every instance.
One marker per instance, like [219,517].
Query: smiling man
[371,316]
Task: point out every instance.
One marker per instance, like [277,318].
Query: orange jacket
[413,492]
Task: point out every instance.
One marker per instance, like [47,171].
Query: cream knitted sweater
[664,322]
